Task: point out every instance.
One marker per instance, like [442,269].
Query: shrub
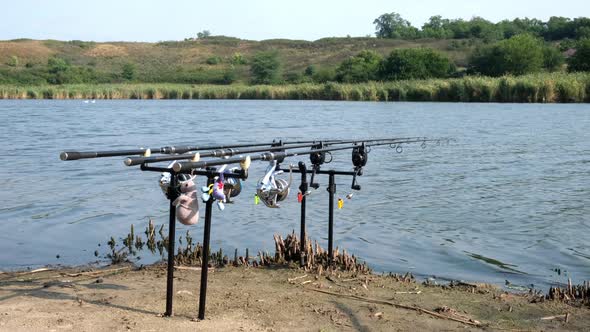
[362,67]
[552,58]
[128,72]
[265,68]
[294,77]
[214,60]
[519,55]
[13,62]
[581,60]
[324,75]
[238,59]
[415,63]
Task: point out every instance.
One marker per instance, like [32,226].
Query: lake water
[510,199]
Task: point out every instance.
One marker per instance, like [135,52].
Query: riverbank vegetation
[523,60]
[540,88]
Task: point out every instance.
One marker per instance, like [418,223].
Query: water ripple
[512,188]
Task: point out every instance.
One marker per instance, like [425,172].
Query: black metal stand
[172,195]
[303,187]
[205,254]
[332,190]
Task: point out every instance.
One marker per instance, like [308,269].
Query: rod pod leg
[332,190]
[303,188]
[205,255]
[172,194]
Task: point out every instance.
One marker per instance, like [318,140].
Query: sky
[157,20]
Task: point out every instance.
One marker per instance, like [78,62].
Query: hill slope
[177,61]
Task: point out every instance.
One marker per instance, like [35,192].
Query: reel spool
[271,190]
[232,187]
[166,179]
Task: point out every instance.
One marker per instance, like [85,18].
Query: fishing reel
[360,155]
[232,187]
[271,190]
[223,189]
[166,181]
[317,160]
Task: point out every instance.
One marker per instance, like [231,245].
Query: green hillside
[526,60]
[195,61]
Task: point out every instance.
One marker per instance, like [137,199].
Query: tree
[265,68]
[459,28]
[559,28]
[416,63]
[518,55]
[204,34]
[362,67]
[436,28]
[57,68]
[128,72]
[56,65]
[229,75]
[481,28]
[324,75]
[581,60]
[392,25]
[583,32]
[309,70]
[59,71]
[552,58]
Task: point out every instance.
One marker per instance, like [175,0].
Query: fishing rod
[186,167]
[76,155]
[230,151]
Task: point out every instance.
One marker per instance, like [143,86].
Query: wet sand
[276,298]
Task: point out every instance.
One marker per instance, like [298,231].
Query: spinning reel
[166,180]
[317,159]
[223,189]
[232,187]
[360,155]
[271,190]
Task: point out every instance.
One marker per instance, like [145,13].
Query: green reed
[536,88]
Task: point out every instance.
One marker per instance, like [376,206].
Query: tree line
[516,47]
[393,25]
[519,55]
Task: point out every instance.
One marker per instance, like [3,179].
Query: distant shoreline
[536,88]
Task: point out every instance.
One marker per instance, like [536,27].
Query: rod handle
[75,155]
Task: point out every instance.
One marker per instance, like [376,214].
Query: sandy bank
[267,299]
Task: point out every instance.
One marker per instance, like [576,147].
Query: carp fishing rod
[277,146]
[188,166]
[274,152]
[76,155]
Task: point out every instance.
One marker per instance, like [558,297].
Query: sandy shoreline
[275,298]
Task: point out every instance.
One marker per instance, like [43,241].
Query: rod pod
[303,189]
[172,195]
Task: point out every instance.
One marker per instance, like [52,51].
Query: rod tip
[63,156]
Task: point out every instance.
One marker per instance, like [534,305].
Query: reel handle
[355,185]
[311,183]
